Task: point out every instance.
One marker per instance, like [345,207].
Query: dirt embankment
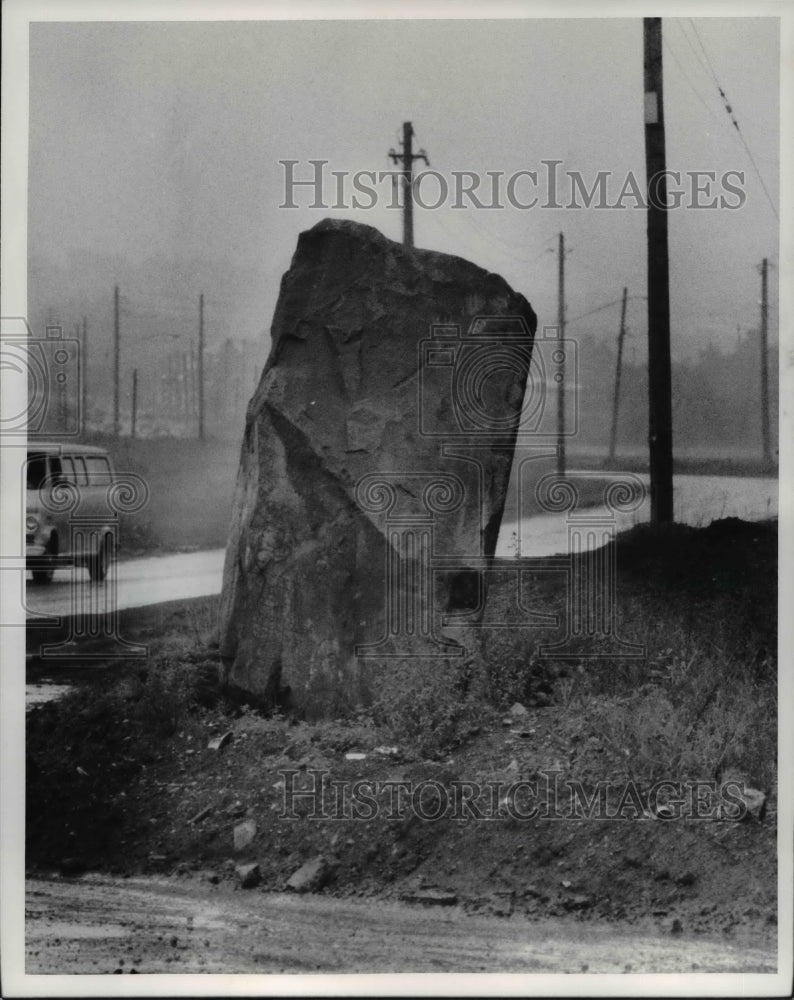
[123,777]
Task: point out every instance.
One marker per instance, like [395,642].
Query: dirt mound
[151,771]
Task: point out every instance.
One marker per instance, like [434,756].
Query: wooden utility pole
[187,392]
[84,376]
[613,436]
[660,410]
[406,158]
[765,363]
[201,369]
[560,375]
[116,353]
[134,402]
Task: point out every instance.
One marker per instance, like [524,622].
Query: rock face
[379,441]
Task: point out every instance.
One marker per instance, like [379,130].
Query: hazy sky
[158,140]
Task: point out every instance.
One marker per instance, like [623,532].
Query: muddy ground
[98,924]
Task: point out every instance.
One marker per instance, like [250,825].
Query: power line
[607,305]
[679,23]
[684,74]
[734,122]
[703,49]
[498,243]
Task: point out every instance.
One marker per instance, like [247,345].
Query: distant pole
[660,410]
[765,363]
[116,352]
[84,376]
[170,388]
[406,158]
[613,437]
[187,395]
[201,369]
[134,401]
[226,377]
[560,375]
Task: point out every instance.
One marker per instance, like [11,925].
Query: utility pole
[660,410]
[201,369]
[613,437]
[134,401]
[116,349]
[79,401]
[560,375]
[84,377]
[406,158]
[187,395]
[765,363]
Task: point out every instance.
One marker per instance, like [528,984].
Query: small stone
[201,814]
[236,809]
[502,904]
[512,766]
[248,875]
[430,897]
[754,802]
[518,710]
[311,876]
[355,756]
[244,833]
[578,902]
[219,742]
[387,751]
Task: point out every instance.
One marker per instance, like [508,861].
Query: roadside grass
[701,703]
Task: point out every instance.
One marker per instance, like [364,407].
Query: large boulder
[373,442]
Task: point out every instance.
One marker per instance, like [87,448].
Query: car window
[81,476]
[67,469]
[98,470]
[37,471]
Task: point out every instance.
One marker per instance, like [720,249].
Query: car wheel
[44,575]
[46,571]
[98,564]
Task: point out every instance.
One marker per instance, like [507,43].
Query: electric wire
[734,122]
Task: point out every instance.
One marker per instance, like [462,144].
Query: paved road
[97,924]
[140,582]
[699,500]
[157,579]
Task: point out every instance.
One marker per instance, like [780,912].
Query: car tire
[44,573]
[99,564]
